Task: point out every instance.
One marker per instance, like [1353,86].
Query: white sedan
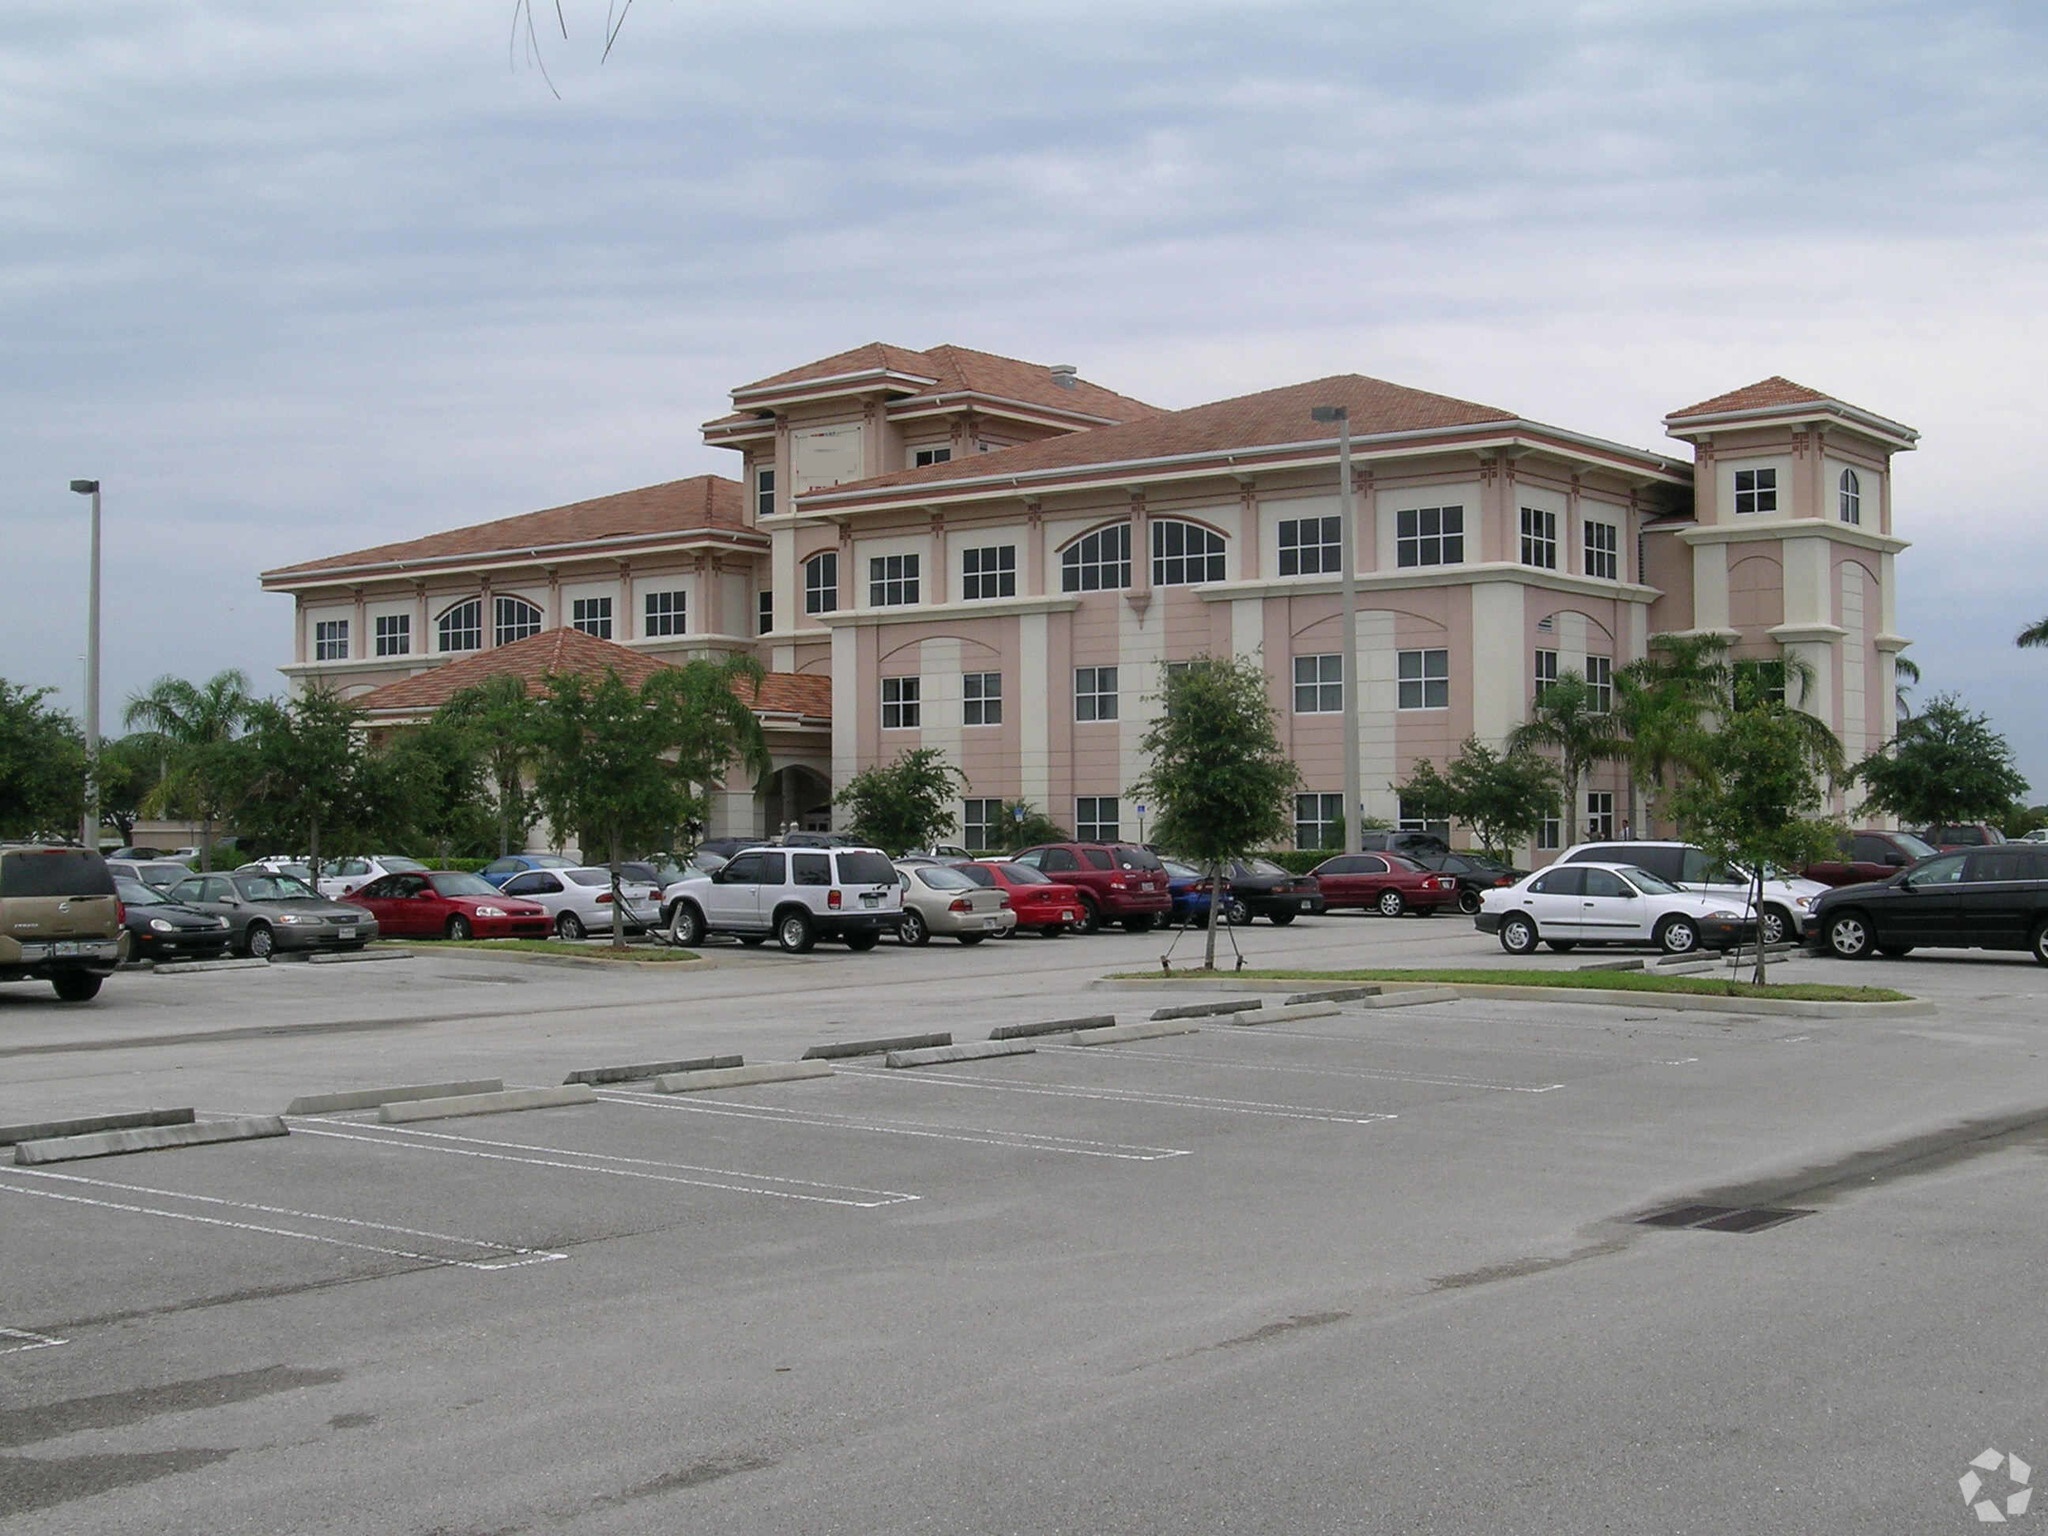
[580,900]
[939,899]
[342,877]
[1567,905]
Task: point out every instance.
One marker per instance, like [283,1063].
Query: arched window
[1852,497]
[1184,554]
[821,583]
[516,619]
[461,628]
[1098,562]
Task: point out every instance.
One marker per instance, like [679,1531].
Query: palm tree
[199,725]
[2034,634]
[1907,671]
[502,716]
[1564,718]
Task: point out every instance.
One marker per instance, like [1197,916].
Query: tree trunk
[1215,915]
[1757,905]
[1571,807]
[618,910]
[206,844]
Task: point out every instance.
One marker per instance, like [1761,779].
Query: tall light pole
[89,831]
[1354,794]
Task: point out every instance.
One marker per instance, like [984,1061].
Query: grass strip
[633,953]
[1568,981]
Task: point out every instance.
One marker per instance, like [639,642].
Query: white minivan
[1786,900]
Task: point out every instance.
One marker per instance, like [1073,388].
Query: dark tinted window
[1565,880]
[1024,874]
[1870,850]
[980,876]
[54,872]
[1135,858]
[1059,858]
[136,894]
[754,869]
[1098,858]
[865,869]
[1346,864]
[810,868]
[591,877]
[2000,863]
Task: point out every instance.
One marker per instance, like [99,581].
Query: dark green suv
[1994,897]
[60,920]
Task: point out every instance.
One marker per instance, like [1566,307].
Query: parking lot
[1376,1269]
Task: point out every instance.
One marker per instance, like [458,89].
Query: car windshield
[865,869]
[1180,871]
[1024,874]
[943,877]
[1649,884]
[1914,847]
[1263,867]
[979,876]
[398,865]
[136,894]
[274,888]
[455,883]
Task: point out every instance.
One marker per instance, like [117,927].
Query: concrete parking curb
[372,1098]
[940,1054]
[359,957]
[1335,995]
[1593,996]
[1410,996]
[835,1049]
[1208,1010]
[486,1103]
[128,1121]
[1252,1018]
[743,1077]
[1051,1027]
[155,1138]
[1150,1029]
[201,967]
[640,1073]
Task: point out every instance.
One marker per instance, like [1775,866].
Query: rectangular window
[990,572]
[892,581]
[764,492]
[516,619]
[767,610]
[1318,684]
[821,583]
[981,699]
[1539,538]
[1185,554]
[1310,546]
[1095,819]
[1411,822]
[462,627]
[1756,490]
[920,457]
[1599,814]
[1600,679]
[394,634]
[1603,552]
[1316,820]
[1546,673]
[902,709]
[667,614]
[330,640]
[1098,562]
[1550,834]
[1095,693]
[592,615]
[1429,536]
[981,824]
[1425,679]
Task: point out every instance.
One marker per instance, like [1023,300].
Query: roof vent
[1064,374]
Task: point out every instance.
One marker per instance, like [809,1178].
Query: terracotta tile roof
[958,369]
[1765,392]
[1274,416]
[679,506]
[570,650]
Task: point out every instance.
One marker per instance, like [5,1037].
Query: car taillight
[1116,883]
[960,904]
[834,900]
[604,896]
[120,910]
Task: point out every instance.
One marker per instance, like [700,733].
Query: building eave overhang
[286,579]
[953,400]
[1896,434]
[1780,529]
[825,385]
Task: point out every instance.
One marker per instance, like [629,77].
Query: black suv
[1415,845]
[1994,897]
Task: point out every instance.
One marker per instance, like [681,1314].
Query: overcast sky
[297,279]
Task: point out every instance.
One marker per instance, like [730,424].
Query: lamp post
[1348,595]
[89,831]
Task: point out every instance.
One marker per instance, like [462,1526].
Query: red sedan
[1041,904]
[1385,882]
[441,904]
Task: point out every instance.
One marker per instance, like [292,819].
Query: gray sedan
[269,912]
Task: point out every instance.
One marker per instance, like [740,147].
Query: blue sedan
[498,871]
[1189,888]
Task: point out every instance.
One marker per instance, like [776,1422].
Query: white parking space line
[15,1341]
[1029,1141]
[1373,1073]
[1126,1096]
[506,1255]
[1461,1047]
[731,1180]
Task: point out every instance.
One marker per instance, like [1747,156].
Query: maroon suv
[1118,882]
[1866,856]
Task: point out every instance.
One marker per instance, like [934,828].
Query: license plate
[1069,916]
[64,948]
[871,898]
[990,922]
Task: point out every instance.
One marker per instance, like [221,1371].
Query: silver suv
[1786,900]
[794,895]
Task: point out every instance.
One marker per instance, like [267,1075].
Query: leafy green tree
[207,765]
[130,769]
[1025,826]
[42,766]
[1945,764]
[429,788]
[623,766]
[501,717]
[905,804]
[1219,778]
[1503,797]
[1758,796]
[1566,718]
[308,774]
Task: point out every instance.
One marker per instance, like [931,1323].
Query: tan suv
[60,920]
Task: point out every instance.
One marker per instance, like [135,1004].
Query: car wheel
[459,928]
[1518,935]
[1468,901]
[794,933]
[569,926]
[970,939]
[1848,936]
[861,943]
[1236,913]
[1775,926]
[2039,944]
[76,986]
[1282,919]
[1896,951]
[1678,936]
[1091,916]
[1139,924]
[685,925]
[1392,904]
[1564,946]
[260,942]
[914,929]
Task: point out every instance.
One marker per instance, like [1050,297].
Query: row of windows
[461,627]
[1598,672]
[1756,490]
